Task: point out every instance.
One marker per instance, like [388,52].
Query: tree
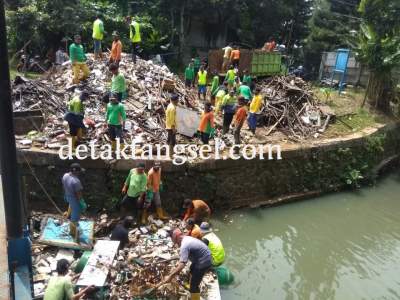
[332,26]
[379,48]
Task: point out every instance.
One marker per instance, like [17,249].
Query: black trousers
[228,117]
[196,278]
[135,47]
[205,137]
[171,139]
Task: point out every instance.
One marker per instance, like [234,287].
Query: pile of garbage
[291,107]
[137,268]
[149,88]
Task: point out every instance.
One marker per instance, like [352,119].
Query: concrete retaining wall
[304,171]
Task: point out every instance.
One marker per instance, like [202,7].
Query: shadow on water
[339,246]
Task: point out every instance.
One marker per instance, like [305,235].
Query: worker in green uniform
[75,116]
[214,87]
[98,35]
[118,82]
[245,91]
[228,106]
[134,189]
[78,60]
[247,78]
[213,243]
[196,64]
[135,37]
[230,76]
[60,285]
[115,117]
[189,75]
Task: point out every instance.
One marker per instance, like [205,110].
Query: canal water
[339,246]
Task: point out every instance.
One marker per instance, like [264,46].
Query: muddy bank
[303,171]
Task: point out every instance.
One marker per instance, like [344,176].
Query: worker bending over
[154,185]
[60,286]
[78,60]
[121,232]
[227,57]
[74,117]
[198,210]
[200,256]
[213,243]
[193,229]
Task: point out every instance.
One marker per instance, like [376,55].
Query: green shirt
[76,53]
[197,63]
[118,84]
[75,106]
[59,288]
[115,114]
[137,183]
[245,91]
[229,100]
[247,78]
[230,76]
[214,85]
[189,73]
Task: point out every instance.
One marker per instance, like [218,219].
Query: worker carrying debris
[73,195]
[116,49]
[74,117]
[98,35]
[135,37]
[134,189]
[213,243]
[116,117]
[198,210]
[227,57]
[78,60]
[60,286]
[200,256]
[155,186]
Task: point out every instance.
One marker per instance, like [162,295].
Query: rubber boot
[161,214]
[67,214]
[74,141]
[79,134]
[113,145]
[144,216]
[73,230]
[195,296]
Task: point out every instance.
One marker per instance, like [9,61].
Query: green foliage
[331,27]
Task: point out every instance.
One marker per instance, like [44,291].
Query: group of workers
[141,191]
[77,54]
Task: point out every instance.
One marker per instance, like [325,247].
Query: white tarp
[99,263]
[187,121]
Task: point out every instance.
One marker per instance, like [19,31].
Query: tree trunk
[182,31]
[380,90]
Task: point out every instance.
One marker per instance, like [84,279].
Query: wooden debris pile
[291,107]
[149,89]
